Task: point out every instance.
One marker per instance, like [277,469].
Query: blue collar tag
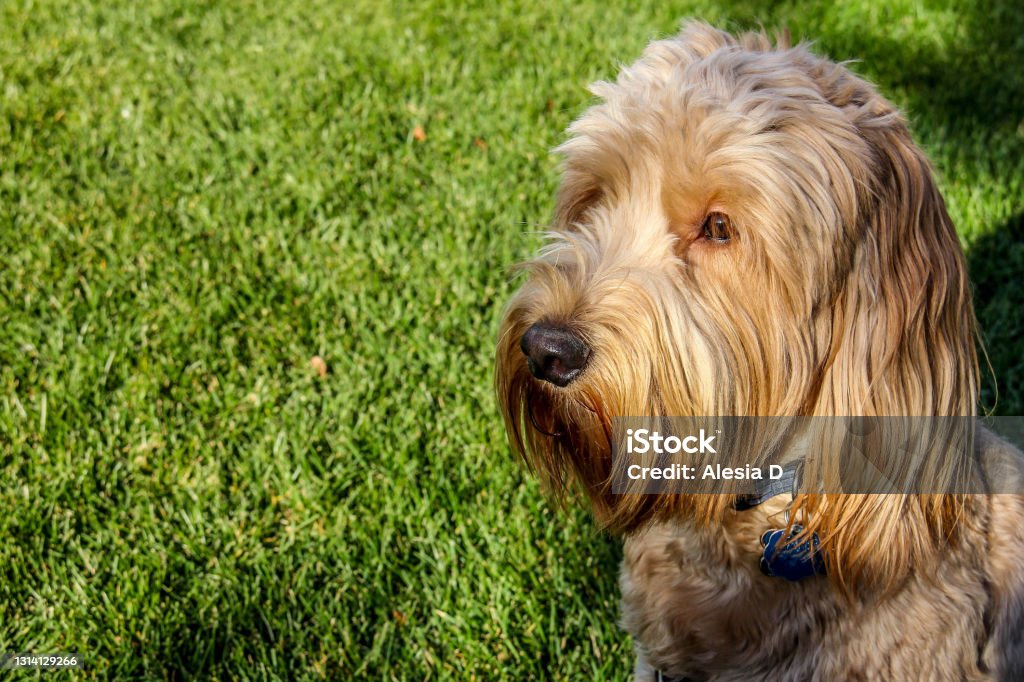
[781,558]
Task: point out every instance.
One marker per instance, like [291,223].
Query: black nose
[554,353]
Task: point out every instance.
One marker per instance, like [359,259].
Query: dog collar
[765,490]
[780,556]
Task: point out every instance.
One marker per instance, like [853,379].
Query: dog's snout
[554,353]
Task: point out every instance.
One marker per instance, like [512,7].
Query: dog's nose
[554,353]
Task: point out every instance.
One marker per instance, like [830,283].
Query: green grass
[196,198]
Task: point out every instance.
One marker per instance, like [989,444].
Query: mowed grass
[197,198]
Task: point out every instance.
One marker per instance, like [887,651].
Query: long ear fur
[903,334]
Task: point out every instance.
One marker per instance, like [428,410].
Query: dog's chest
[695,602]
[698,607]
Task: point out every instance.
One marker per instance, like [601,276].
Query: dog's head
[741,229]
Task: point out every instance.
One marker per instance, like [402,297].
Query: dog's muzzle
[554,353]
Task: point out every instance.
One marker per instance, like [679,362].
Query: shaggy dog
[745,229]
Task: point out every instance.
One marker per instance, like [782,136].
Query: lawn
[199,198]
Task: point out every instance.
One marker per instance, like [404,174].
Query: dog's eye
[717,228]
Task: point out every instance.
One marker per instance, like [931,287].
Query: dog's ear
[905,319]
[902,343]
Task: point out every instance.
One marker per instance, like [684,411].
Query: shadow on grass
[996,262]
[972,75]
[976,81]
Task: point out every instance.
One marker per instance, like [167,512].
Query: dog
[746,228]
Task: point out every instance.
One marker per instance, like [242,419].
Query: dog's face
[740,230]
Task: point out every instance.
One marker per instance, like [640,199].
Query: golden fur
[844,292]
